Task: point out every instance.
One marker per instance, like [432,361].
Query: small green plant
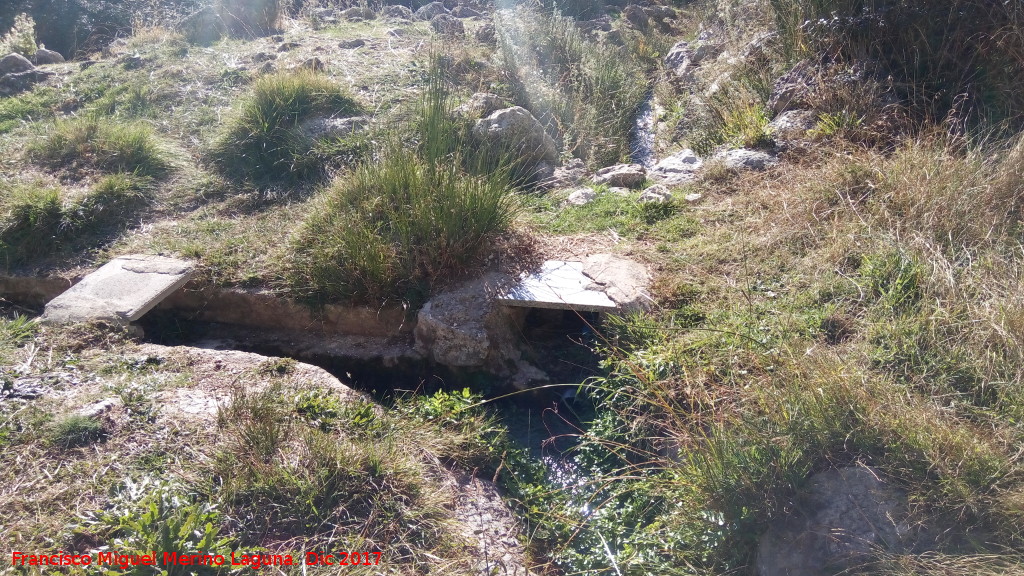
[265,140]
[151,515]
[320,408]
[32,106]
[110,147]
[75,431]
[21,38]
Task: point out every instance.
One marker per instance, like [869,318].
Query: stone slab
[121,291]
[558,285]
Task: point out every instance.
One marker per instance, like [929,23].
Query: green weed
[110,147]
[75,431]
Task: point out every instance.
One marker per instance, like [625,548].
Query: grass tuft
[93,143]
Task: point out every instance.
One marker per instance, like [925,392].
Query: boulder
[793,124]
[428,11]
[480,105]
[677,169]
[44,56]
[358,13]
[447,25]
[14,83]
[636,16]
[203,27]
[465,328]
[515,131]
[793,89]
[844,516]
[625,175]
[746,159]
[581,196]
[14,63]
[658,194]
[396,12]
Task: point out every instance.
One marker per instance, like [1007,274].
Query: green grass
[38,221]
[75,431]
[91,143]
[26,108]
[264,141]
[622,214]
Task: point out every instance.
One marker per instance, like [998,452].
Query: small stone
[86,64]
[793,124]
[745,159]
[263,57]
[44,56]
[98,409]
[679,168]
[659,193]
[14,63]
[581,196]
[692,198]
[267,68]
[314,65]
[131,61]
[618,191]
[625,175]
[352,44]
[288,46]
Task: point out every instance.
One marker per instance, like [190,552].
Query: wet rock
[14,63]
[465,327]
[624,175]
[463,11]
[659,194]
[677,169]
[745,159]
[44,56]
[486,33]
[447,25]
[429,11]
[636,16]
[514,130]
[581,196]
[203,27]
[481,105]
[358,13]
[793,89]
[396,12]
[793,124]
[845,516]
[15,83]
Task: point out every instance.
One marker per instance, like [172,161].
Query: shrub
[35,105]
[265,140]
[21,38]
[76,430]
[586,92]
[101,145]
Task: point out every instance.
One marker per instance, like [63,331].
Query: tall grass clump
[585,92]
[38,221]
[962,58]
[265,140]
[415,215]
[90,143]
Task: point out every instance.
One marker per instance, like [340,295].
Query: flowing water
[642,135]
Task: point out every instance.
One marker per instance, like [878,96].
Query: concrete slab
[558,285]
[121,291]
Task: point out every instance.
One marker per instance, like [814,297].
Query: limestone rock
[358,13]
[659,193]
[625,175]
[480,105]
[428,11]
[624,281]
[793,124]
[581,196]
[793,88]
[396,12]
[447,25]
[514,130]
[677,169]
[14,63]
[465,328]
[44,56]
[745,159]
[844,516]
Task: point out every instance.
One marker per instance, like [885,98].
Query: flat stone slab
[121,291]
[558,285]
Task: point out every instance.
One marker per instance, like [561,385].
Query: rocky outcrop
[17,82]
[624,175]
[684,58]
[793,89]
[844,516]
[515,131]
